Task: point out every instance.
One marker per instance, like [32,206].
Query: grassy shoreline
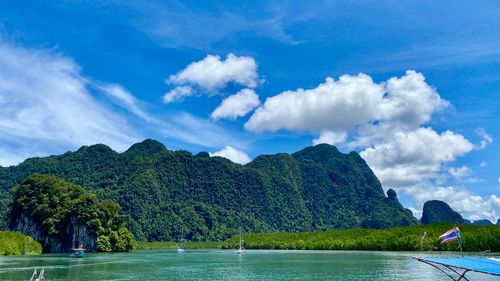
[475,239]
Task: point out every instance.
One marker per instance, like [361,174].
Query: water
[226,265]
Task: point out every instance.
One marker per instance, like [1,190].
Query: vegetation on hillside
[53,205]
[435,211]
[475,239]
[15,243]
[5,205]
[317,188]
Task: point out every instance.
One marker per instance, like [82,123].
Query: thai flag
[450,235]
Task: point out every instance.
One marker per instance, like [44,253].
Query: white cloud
[460,172]
[463,174]
[406,158]
[178,94]
[232,154]
[330,137]
[486,139]
[498,180]
[212,73]
[469,205]
[125,99]
[45,100]
[386,121]
[236,105]
[352,100]
[483,164]
[416,212]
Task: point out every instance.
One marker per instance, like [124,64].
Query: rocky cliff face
[75,235]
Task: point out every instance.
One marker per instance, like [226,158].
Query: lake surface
[226,265]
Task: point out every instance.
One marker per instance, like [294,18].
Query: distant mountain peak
[482,222]
[435,211]
[96,148]
[320,153]
[146,147]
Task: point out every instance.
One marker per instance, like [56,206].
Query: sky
[412,86]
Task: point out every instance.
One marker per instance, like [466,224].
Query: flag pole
[459,239]
[422,241]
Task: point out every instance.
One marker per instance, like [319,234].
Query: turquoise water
[226,265]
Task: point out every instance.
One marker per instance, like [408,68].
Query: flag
[450,235]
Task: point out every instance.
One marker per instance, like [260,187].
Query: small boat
[78,252]
[241,250]
[180,249]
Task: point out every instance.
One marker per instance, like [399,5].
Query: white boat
[181,248]
[241,250]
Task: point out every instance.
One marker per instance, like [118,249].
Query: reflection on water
[225,265]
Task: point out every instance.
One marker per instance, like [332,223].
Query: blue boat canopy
[490,265]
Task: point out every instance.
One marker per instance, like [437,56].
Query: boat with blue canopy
[456,268]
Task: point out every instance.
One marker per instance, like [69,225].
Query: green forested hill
[435,211]
[317,188]
[62,216]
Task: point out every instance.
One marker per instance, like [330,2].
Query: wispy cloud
[435,55]
[47,107]
[176,24]
[487,139]
[125,99]
[44,98]
[188,128]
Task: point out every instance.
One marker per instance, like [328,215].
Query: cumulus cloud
[387,123]
[45,100]
[471,206]
[236,105]
[352,100]
[233,154]
[212,73]
[460,172]
[178,94]
[330,137]
[407,158]
[463,174]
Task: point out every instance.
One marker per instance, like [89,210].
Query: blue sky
[413,86]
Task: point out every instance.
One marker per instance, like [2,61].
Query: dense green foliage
[15,243]
[5,213]
[142,245]
[435,211]
[475,239]
[55,206]
[317,188]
